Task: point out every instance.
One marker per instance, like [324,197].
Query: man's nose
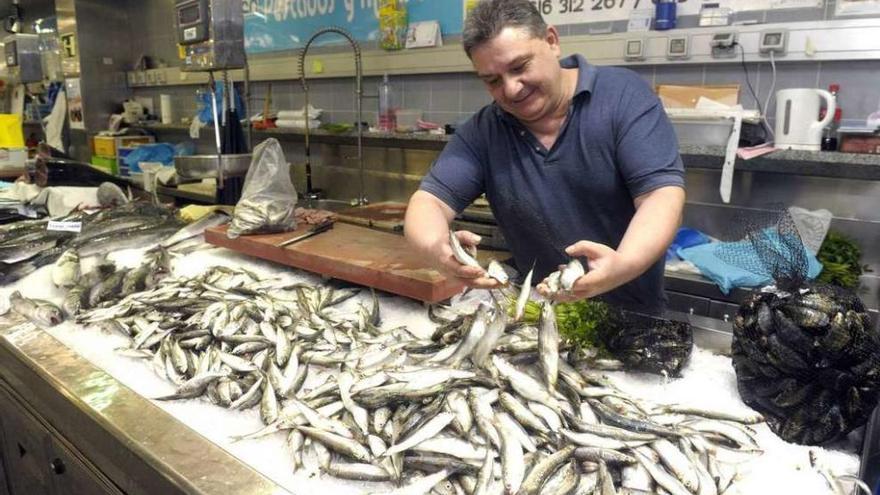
[512,87]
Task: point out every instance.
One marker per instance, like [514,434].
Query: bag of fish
[268,199]
[805,354]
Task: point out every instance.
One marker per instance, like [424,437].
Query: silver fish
[548,346]
[337,443]
[195,386]
[513,464]
[572,271]
[475,333]
[496,271]
[494,329]
[524,293]
[38,311]
[421,486]
[429,430]
[459,253]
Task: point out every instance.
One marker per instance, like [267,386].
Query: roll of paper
[166,109]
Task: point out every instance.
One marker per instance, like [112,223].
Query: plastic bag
[158,152]
[268,199]
[811,225]
[206,110]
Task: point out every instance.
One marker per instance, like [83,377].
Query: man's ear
[552,39]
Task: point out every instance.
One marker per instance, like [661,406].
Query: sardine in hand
[457,259]
[607,270]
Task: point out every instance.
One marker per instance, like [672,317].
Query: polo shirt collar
[586,72]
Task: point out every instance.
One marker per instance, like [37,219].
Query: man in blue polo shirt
[575,160]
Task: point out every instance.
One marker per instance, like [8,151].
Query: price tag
[75,227]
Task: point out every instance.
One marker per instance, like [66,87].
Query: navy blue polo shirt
[615,145]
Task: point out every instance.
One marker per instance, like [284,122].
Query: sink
[325,204]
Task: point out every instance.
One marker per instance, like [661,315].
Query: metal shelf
[839,39]
[379,139]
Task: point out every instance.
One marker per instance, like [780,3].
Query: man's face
[522,73]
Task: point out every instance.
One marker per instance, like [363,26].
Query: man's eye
[519,68]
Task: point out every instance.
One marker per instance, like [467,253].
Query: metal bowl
[205,166]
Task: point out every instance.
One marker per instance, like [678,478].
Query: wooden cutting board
[385,216]
[353,253]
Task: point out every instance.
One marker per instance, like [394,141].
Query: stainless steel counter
[126,443]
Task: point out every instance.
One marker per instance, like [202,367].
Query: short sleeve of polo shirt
[457,177]
[646,148]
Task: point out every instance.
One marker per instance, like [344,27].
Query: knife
[317,229]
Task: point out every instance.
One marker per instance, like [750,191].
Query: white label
[189,34]
[64,226]
[560,12]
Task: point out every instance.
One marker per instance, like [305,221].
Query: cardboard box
[106,164]
[13,158]
[107,146]
[682,96]
[860,143]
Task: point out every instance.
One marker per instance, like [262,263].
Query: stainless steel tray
[137,446]
[205,166]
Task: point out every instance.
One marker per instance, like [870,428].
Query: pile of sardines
[487,405]
[30,244]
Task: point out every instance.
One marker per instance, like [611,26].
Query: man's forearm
[427,221]
[651,230]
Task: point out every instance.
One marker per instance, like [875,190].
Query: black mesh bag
[805,355]
[647,343]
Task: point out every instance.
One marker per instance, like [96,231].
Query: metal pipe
[247,104]
[213,84]
[361,200]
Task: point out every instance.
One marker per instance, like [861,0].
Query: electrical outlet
[724,45]
[634,49]
[773,41]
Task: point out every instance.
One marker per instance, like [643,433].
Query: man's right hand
[471,276]
[427,230]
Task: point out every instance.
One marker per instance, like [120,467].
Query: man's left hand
[607,269]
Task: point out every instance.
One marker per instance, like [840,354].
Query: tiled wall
[451,98]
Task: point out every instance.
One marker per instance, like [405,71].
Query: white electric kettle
[797,118]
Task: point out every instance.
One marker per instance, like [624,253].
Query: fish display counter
[232,375]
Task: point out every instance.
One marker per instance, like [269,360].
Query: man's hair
[490,17]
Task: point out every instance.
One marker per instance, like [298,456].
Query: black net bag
[647,343]
[805,355]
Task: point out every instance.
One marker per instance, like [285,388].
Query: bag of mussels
[805,354]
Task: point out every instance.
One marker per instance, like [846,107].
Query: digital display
[633,47]
[188,15]
[11,58]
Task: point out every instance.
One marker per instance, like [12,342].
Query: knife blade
[317,229]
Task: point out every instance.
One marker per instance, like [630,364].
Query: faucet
[311,193]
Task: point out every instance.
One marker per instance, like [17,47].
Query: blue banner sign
[274,25]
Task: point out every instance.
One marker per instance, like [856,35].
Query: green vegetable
[336,128]
[579,322]
[841,261]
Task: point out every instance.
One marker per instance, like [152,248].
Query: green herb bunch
[841,261]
